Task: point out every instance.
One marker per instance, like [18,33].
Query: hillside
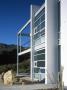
[8,59]
[8,54]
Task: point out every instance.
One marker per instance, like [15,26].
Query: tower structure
[45,42]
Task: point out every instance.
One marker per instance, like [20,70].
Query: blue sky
[13,15]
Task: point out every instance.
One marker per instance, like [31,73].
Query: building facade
[45,42]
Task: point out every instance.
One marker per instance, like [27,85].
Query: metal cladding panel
[52,41]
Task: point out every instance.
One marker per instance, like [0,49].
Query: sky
[13,15]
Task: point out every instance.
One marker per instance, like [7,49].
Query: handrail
[24,26]
[24,52]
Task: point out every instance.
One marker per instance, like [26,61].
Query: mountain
[8,54]
[5,47]
[8,59]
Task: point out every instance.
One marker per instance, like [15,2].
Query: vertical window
[39,14]
[40,63]
[42,24]
[42,17]
[36,70]
[39,51]
[39,57]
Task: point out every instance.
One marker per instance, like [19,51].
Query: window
[42,17]
[37,35]
[42,39]
[42,32]
[42,24]
[41,64]
[42,70]
[40,51]
[35,64]
[39,14]
[36,76]
[37,42]
[35,30]
[39,57]
[38,28]
[36,70]
[37,22]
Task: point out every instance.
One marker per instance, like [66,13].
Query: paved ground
[22,87]
[19,87]
[11,87]
[16,87]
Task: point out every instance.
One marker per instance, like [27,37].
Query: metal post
[31,44]
[17,55]
[20,42]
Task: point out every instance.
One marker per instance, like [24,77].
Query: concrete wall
[52,41]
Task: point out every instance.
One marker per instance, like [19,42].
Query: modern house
[44,36]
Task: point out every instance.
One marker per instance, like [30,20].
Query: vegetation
[8,59]
[24,67]
[4,68]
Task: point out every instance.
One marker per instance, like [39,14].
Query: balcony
[23,47]
[23,39]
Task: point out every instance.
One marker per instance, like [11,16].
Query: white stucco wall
[52,41]
[64,39]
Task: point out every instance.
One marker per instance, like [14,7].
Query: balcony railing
[23,38]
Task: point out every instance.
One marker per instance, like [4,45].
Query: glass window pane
[35,30]
[42,24]
[37,35]
[35,63]
[42,17]
[41,64]
[36,70]
[39,14]
[37,42]
[40,51]
[42,39]
[42,70]
[37,22]
[38,28]
[42,32]
[36,76]
[39,57]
